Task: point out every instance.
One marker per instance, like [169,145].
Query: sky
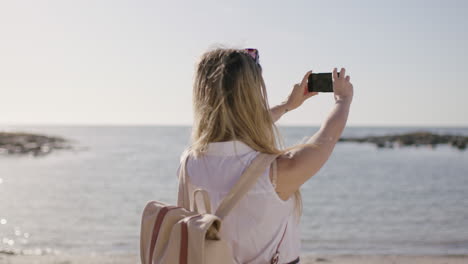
[132,62]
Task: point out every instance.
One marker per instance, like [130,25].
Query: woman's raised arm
[295,99]
[295,168]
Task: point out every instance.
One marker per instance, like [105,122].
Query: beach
[367,114]
[306,259]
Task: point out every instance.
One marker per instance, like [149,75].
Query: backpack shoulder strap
[245,182]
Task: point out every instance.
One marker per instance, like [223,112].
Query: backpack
[188,233]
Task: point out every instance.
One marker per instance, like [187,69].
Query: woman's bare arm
[295,99]
[301,164]
[278,111]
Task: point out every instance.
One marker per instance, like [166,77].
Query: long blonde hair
[230,103]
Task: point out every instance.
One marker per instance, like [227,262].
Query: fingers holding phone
[331,82]
[342,87]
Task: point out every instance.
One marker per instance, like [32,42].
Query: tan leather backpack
[188,234]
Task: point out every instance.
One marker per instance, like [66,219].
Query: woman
[232,124]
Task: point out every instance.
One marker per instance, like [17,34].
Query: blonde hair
[230,103]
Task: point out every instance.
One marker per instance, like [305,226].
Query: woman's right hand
[342,88]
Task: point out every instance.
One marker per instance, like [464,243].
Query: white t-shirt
[255,226]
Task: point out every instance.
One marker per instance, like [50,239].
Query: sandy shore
[307,259]
[353,259]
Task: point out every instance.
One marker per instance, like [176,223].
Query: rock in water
[28,143]
[420,138]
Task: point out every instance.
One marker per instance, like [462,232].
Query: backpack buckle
[275,258]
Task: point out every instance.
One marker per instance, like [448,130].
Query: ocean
[365,200]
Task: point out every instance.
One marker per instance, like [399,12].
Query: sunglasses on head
[254,54]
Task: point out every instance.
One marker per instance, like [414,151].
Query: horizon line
[189,125]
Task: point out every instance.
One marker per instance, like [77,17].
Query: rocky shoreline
[21,143]
[421,138]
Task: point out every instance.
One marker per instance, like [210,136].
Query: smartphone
[321,82]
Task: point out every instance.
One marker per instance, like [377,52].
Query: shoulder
[183,158]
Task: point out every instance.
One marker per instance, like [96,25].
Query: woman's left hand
[300,93]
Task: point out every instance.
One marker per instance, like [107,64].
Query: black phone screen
[321,82]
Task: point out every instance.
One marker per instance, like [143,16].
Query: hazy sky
[132,62]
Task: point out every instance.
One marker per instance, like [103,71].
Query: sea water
[365,200]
